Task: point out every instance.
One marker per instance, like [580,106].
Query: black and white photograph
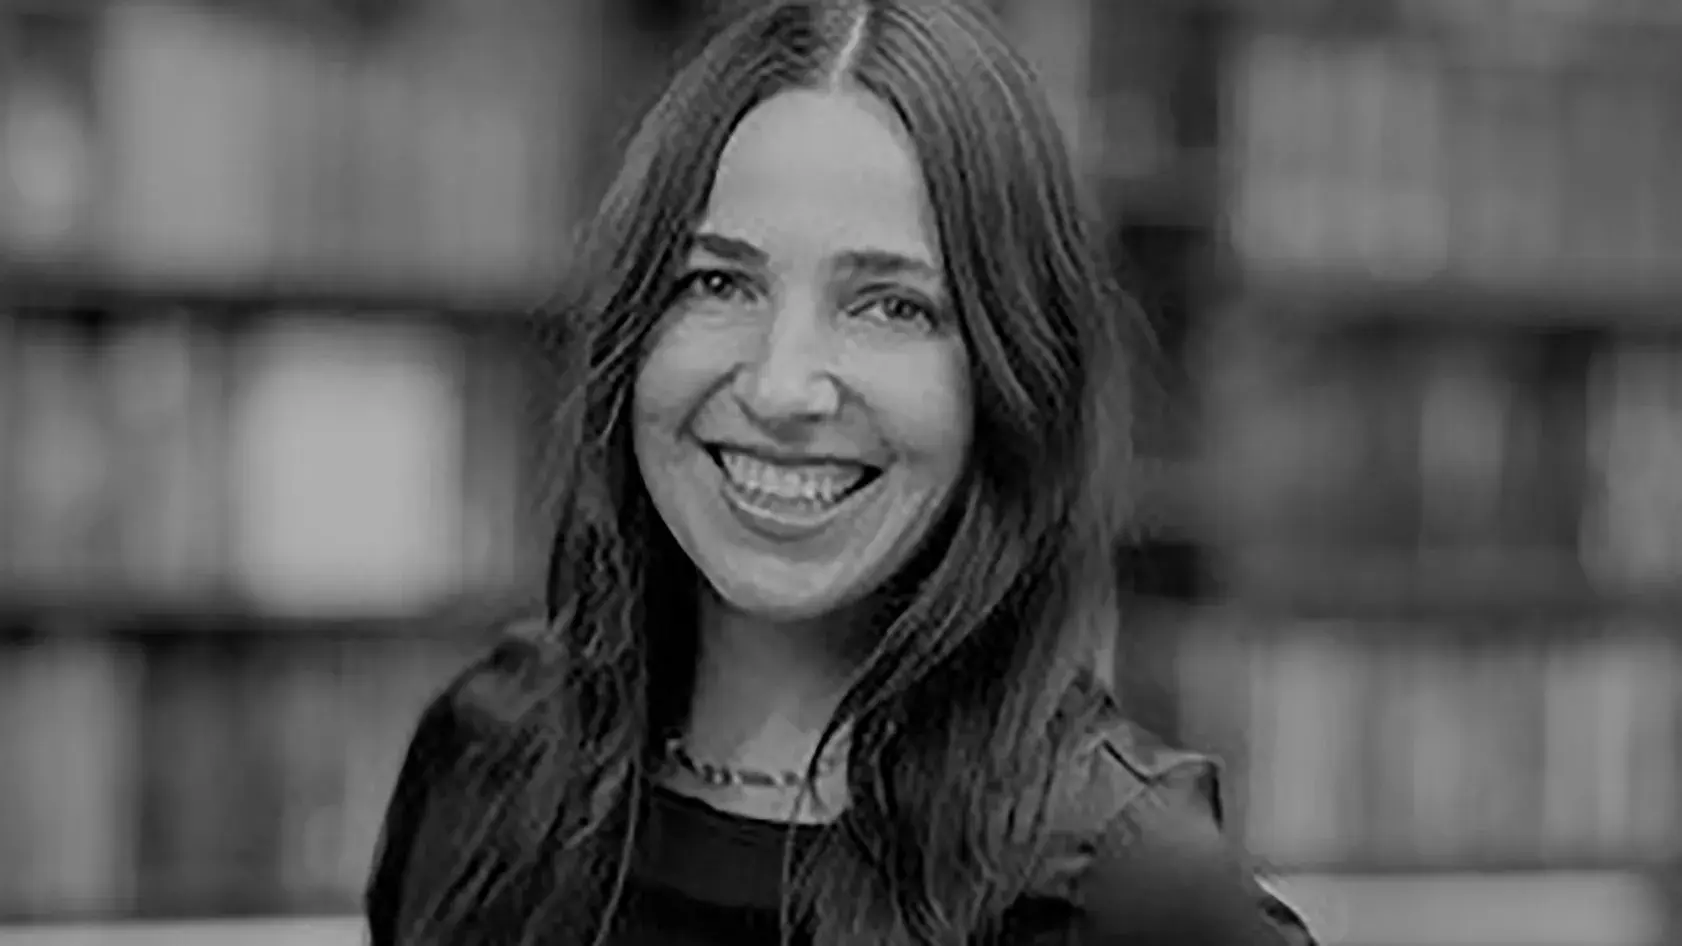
[841,472]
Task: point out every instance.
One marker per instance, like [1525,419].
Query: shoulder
[1118,764]
[1137,846]
[481,706]
[1129,763]
[492,693]
[471,719]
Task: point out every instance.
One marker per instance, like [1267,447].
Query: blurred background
[270,431]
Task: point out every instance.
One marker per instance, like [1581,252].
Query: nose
[791,380]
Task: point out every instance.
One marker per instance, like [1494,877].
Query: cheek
[695,346]
[675,375]
[931,421]
[660,410]
[651,406]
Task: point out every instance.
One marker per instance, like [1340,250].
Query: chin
[781,603]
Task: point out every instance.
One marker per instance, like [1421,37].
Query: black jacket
[1135,853]
[1140,854]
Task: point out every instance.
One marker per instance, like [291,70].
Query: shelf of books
[237,556]
[194,149]
[1443,473]
[267,411]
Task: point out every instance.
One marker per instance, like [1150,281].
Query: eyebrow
[729,249]
[867,261]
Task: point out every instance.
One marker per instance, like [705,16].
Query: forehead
[822,171]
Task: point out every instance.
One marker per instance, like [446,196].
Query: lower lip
[783,525]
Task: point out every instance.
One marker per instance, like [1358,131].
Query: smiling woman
[833,559]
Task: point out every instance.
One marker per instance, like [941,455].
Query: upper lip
[786,457]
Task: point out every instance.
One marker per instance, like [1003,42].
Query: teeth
[814,484]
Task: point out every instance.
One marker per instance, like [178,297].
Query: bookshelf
[268,398]
[296,522]
[1439,470]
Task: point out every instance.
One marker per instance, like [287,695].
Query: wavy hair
[979,685]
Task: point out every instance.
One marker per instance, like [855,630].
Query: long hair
[977,689]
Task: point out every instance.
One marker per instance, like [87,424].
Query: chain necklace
[725,776]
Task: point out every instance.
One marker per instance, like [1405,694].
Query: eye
[716,284]
[901,310]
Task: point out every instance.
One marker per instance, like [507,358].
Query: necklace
[726,776]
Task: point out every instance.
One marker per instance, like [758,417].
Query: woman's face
[804,412]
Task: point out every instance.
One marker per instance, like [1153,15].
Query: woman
[833,556]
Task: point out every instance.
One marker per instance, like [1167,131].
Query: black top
[703,877]
[1133,851]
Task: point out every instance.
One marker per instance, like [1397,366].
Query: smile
[781,495]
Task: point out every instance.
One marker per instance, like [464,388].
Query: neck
[764,689]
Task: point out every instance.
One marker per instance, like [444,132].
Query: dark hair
[978,687]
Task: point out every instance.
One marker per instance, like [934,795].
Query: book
[347,466]
[49,137]
[505,444]
[305,709]
[186,106]
[59,462]
[1655,781]
[163,377]
[9,432]
[1302,811]
[71,775]
[1631,525]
